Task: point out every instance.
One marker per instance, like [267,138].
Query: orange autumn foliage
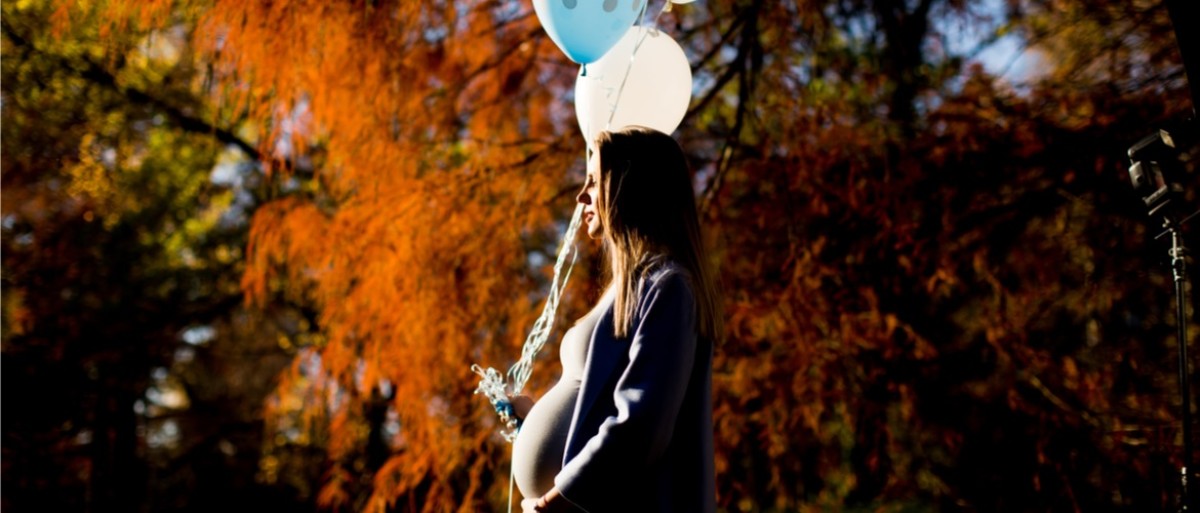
[446,155]
[441,162]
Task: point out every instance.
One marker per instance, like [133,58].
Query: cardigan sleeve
[648,396]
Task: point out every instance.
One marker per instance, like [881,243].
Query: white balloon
[654,92]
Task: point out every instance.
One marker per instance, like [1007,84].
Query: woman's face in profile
[588,196]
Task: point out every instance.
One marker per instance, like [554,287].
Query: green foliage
[116,242]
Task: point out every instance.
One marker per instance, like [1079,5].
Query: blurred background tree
[134,379]
[251,249]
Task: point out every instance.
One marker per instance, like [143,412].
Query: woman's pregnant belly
[538,449]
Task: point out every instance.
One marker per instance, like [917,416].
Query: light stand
[1178,268]
[1155,174]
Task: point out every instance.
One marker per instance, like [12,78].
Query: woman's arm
[647,397]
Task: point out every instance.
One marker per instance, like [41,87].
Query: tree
[118,249]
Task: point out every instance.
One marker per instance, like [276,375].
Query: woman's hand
[529,506]
[521,405]
[552,502]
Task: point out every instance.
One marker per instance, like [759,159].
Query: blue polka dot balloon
[586,29]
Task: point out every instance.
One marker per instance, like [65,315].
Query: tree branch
[749,49]
[98,75]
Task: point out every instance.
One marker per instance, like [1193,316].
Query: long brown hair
[647,207]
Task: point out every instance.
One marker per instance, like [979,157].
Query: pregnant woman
[629,427]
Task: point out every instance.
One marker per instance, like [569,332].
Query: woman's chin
[593,232]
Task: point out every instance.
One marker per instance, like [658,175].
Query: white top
[538,449]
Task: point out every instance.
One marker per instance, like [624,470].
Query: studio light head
[1157,172]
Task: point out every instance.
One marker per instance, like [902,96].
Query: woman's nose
[583,197]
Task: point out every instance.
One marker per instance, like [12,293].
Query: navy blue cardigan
[641,436]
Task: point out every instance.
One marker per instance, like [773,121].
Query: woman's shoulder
[666,285]
[664,272]
[659,267]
